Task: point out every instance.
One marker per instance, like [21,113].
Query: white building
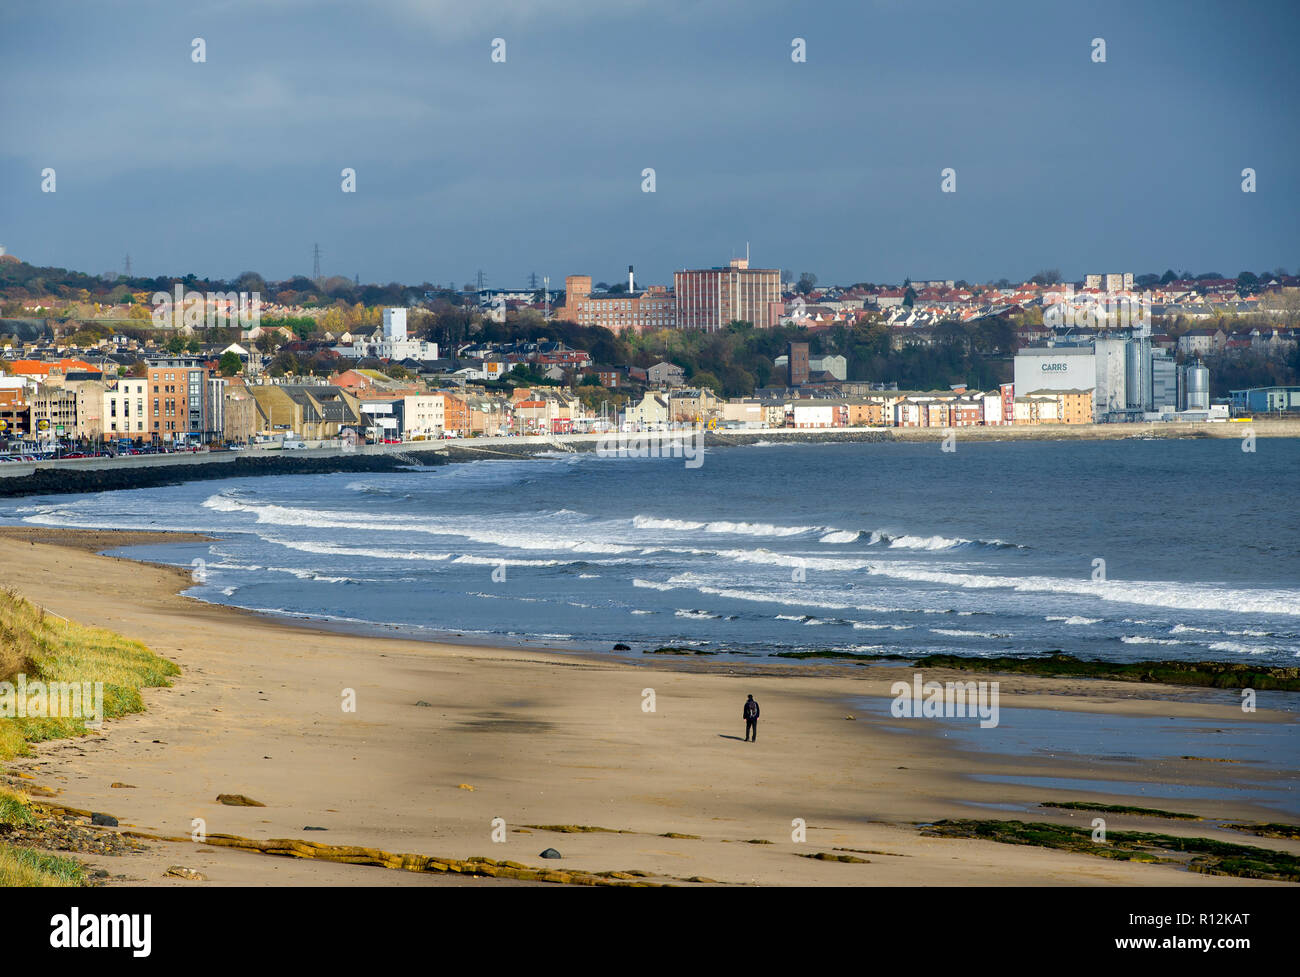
[395,325]
[1055,368]
[423,416]
[1101,367]
[991,408]
[391,344]
[814,415]
[124,409]
[1118,282]
[651,413]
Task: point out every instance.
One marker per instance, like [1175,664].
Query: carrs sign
[1055,369]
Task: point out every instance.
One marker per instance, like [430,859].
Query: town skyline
[429,429]
[791,272]
[459,162]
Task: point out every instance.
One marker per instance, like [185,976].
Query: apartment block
[124,411]
[73,409]
[178,399]
[423,416]
[711,298]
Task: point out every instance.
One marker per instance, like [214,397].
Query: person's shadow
[724,736]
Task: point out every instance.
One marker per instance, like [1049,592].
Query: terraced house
[314,412]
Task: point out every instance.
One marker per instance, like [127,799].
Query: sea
[1121,550]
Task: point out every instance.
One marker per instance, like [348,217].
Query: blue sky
[534,165]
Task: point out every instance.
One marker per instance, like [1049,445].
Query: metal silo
[1198,387]
[1137,374]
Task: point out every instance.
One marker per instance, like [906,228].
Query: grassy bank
[43,647]
[25,866]
[47,648]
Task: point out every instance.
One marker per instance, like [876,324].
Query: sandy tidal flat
[552,738]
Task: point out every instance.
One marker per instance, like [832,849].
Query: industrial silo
[1137,374]
[1197,387]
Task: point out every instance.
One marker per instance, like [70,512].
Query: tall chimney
[631,281]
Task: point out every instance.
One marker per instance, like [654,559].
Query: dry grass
[24,866]
[15,809]
[46,647]
[17,647]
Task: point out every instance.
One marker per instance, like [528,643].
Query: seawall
[60,478]
[1173,430]
[144,471]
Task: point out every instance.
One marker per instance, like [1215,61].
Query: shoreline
[448,737]
[98,475]
[104,542]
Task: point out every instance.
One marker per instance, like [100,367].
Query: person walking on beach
[750,713]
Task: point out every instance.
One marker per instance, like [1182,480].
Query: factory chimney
[631,280]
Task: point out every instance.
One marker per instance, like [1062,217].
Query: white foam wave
[925,543]
[520,537]
[721,527]
[841,536]
[1246,633]
[1238,648]
[652,585]
[1152,593]
[496,561]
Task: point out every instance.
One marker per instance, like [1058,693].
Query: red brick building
[177,399]
[711,298]
[639,311]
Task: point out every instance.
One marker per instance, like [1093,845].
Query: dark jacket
[751,709]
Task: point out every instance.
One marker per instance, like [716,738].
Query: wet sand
[551,738]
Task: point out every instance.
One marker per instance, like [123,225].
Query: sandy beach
[553,738]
